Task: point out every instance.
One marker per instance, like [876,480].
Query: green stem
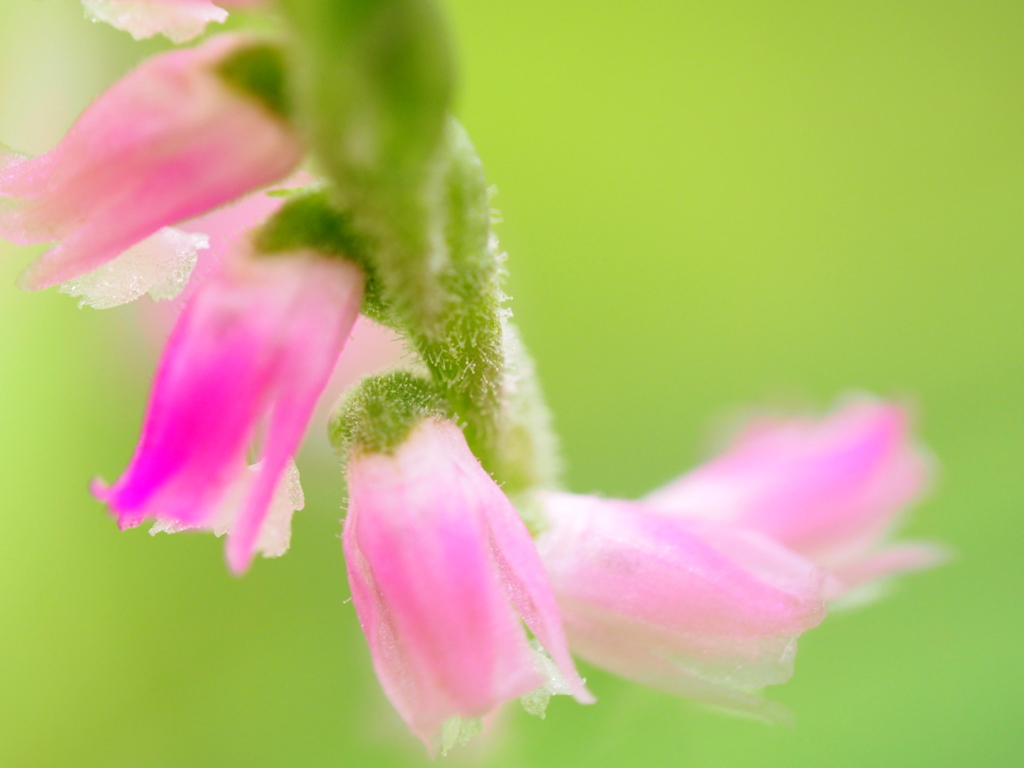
[476,358]
[371,84]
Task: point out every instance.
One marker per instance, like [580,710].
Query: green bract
[259,70]
[378,414]
[308,220]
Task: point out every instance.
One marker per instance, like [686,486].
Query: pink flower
[703,610]
[254,348]
[178,20]
[439,565]
[830,489]
[168,142]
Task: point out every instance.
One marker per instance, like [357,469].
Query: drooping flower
[703,610]
[253,350]
[170,141]
[830,489]
[178,20]
[440,564]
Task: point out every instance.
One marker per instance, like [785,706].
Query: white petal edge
[276,531]
[160,265]
[177,21]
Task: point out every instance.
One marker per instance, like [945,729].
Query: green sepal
[259,70]
[379,413]
[311,221]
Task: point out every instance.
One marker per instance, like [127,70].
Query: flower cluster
[474,577]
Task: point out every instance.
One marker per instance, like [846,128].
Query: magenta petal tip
[238,557]
[830,488]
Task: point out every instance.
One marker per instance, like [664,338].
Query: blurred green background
[707,206]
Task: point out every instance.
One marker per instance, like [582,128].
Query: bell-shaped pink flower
[178,20]
[440,564]
[248,359]
[706,611]
[168,142]
[830,489]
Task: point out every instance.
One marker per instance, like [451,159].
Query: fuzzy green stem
[464,352]
[370,87]
[373,83]
[475,357]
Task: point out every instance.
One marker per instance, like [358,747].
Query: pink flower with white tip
[246,363]
[830,489]
[440,564]
[178,20]
[706,611]
[162,145]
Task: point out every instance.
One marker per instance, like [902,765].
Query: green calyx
[259,71]
[379,413]
[309,221]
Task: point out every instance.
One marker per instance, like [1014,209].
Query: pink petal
[526,584]
[330,293]
[221,229]
[888,561]
[521,569]
[227,225]
[829,489]
[159,147]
